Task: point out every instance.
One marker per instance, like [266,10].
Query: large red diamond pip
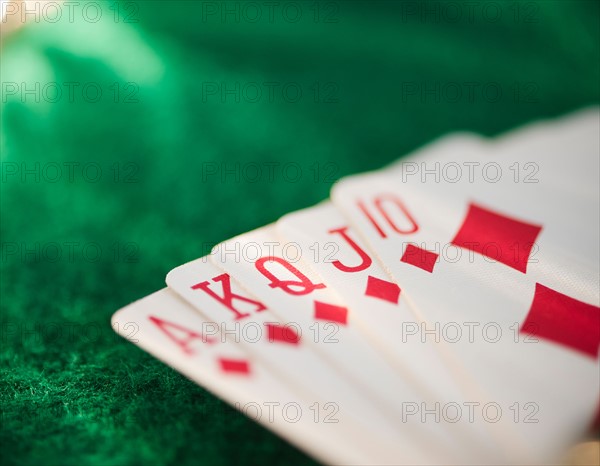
[564,320]
[497,236]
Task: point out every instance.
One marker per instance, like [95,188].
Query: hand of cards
[442,310]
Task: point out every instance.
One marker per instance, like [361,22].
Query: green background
[78,246]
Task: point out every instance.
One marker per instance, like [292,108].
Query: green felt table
[102,195]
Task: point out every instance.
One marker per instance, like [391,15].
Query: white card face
[169,329]
[545,174]
[286,343]
[462,253]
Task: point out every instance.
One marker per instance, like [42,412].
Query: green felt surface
[77,246]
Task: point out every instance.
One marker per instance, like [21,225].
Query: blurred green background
[136,135]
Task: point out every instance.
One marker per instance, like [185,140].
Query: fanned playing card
[442,310]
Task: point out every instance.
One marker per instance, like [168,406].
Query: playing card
[169,329]
[286,343]
[526,331]
[545,172]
